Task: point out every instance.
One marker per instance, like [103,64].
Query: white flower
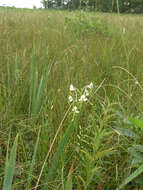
[136,82]
[83,98]
[70,98]
[72,88]
[75,109]
[124,30]
[86,92]
[52,106]
[90,86]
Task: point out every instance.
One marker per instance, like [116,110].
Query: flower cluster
[77,96]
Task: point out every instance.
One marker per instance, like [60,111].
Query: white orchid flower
[90,86]
[83,98]
[75,110]
[70,99]
[72,88]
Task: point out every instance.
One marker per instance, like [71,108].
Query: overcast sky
[21,3]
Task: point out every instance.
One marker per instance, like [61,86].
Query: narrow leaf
[34,158]
[68,185]
[60,149]
[131,177]
[9,168]
[137,122]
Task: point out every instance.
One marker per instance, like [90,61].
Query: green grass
[41,54]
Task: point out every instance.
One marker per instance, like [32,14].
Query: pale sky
[21,3]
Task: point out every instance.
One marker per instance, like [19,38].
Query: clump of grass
[10,165]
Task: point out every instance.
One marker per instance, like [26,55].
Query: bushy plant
[80,24]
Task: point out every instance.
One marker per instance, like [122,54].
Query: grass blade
[61,148]
[9,168]
[59,151]
[131,177]
[34,158]
[68,185]
[39,96]
[33,83]
[37,87]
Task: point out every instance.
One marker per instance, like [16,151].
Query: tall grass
[9,166]
[42,53]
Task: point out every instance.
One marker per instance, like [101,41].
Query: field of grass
[71,92]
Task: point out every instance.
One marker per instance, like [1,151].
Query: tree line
[124,6]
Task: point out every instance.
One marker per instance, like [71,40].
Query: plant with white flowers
[78,97]
[83,98]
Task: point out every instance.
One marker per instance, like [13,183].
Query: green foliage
[68,185]
[136,122]
[136,173]
[60,149]
[10,166]
[91,150]
[132,6]
[33,162]
[81,25]
[37,87]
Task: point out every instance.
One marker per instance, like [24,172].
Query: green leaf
[34,158]
[125,132]
[68,185]
[139,147]
[139,181]
[9,168]
[60,149]
[137,122]
[137,153]
[131,177]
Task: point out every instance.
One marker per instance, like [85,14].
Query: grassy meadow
[71,92]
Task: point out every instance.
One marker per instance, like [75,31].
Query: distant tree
[52,3]
[34,7]
[47,3]
[135,6]
[44,3]
[59,3]
[75,4]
